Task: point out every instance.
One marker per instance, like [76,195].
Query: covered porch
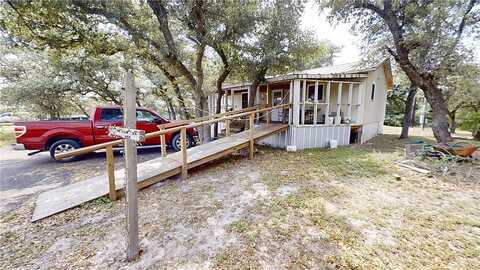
[321,109]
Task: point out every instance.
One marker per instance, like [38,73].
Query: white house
[344,102]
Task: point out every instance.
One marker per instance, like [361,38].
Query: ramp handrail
[227,117]
[92,148]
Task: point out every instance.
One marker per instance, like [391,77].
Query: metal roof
[343,71]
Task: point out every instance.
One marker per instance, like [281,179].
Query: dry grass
[314,209]
[6,135]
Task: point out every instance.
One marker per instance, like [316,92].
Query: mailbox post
[130,122]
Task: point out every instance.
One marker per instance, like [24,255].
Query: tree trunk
[178,93]
[220,80]
[258,78]
[409,111]
[253,92]
[202,110]
[414,110]
[181,102]
[218,109]
[171,110]
[439,114]
[453,124]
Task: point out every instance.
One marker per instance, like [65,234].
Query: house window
[372,96]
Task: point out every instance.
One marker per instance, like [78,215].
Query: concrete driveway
[22,176]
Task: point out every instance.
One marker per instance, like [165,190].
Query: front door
[244,100]
[277,99]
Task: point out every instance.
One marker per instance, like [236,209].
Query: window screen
[311,93]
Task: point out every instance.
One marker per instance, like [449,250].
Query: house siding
[370,130]
[305,137]
[374,110]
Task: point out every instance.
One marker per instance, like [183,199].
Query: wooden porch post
[339,102]
[268,114]
[315,109]
[225,101]
[296,102]
[361,92]
[327,98]
[290,98]
[304,91]
[232,96]
[350,93]
[268,96]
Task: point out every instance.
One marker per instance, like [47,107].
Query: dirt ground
[316,209]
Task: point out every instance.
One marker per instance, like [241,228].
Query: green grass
[345,162]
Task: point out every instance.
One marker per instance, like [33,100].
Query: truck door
[148,121]
[108,117]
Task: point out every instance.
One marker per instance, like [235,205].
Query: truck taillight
[20,130]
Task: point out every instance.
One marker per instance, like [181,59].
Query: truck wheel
[176,142]
[62,146]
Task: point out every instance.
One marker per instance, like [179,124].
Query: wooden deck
[60,199]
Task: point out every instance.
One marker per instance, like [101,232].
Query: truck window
[145,116]
[111,115]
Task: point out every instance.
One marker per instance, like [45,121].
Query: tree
[30,83]
[409,115]
[471,122]
[431,31]
[278,45]
[462,91]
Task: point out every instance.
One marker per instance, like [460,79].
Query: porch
[322,110]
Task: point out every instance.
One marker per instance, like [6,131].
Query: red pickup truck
[59,136]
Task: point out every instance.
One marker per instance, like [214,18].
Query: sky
[338,34]
[341,36]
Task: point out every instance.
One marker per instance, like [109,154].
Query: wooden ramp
[149,172]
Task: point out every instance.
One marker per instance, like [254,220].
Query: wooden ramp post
[227,127]
[162,142]
[183,142]
[251,141]
[112,192]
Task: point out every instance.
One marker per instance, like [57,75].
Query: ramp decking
[60,199]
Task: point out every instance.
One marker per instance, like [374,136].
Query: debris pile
[455,162]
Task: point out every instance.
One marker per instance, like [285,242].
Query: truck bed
[38,131]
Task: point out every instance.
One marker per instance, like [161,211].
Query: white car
[7,117]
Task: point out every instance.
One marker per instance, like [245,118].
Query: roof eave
[290,77]
[318,76]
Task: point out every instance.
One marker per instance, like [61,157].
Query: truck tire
[175,143]
[64,145]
